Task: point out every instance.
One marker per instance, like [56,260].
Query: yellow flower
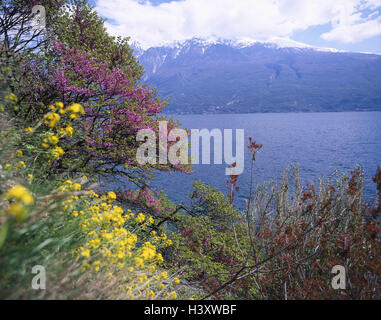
[12,97]
[59,105]
[58,152]
[111,195]
[19,193]
[86,253]
[151,220]
[2,109]
[176,280]
[29,129]
[164,275]
[19,153]
[93,194]
[139,262]
[76,110]
[148,251]
[97,263]
[22,164]
[140,218]
[121,255]
[53,118]
[68,131]
[76,187]
[159,258]
[52,140]
[30,177]
[18,210]
[173,295]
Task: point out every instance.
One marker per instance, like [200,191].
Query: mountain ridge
[238,76]
[278,41]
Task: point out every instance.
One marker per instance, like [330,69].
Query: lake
[318,142]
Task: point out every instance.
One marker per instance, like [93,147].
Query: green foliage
[210,238]
[82,239]
[80,27]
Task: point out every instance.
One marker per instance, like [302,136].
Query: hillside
[207,76]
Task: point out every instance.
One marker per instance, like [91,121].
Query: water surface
[318,142]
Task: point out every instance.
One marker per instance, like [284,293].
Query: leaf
[3,233]
[42,245]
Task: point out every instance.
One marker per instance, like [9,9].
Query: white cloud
[352,25]
[232,19]
[354,32]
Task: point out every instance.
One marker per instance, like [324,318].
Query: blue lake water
[318,142]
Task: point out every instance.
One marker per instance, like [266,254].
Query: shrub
[298,234]
[90,246]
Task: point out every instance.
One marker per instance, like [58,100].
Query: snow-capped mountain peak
[153,58]
[275,42]
[248,75]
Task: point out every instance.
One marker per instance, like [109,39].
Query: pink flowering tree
[116,108]
[99,72]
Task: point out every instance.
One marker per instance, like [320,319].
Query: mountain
[224,76]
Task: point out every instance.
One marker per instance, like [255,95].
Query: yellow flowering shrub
[104,242]
[119,243]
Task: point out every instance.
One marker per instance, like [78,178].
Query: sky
[352,25]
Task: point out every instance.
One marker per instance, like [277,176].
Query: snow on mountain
[153,58]
[205,43]
[247,75]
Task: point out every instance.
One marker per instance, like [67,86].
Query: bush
[298,234]
[90,246]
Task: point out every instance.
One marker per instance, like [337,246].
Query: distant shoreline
[265,112]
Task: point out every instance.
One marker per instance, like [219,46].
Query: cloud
[233,19]
[353,25]
[355,32]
